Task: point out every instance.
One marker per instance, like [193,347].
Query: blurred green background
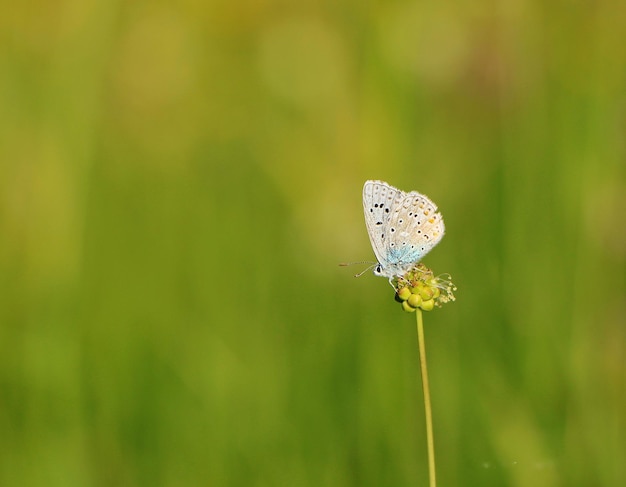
[179,181]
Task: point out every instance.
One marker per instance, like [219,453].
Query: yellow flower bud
[407,307]
[404,293]
[428,305]
[415,300]
[427,293]
[417,288]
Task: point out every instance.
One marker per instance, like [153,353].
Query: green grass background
[179,181]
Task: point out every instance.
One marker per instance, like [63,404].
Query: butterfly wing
[379,202]
[402,227]
[415,228]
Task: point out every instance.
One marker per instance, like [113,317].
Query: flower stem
[427,408]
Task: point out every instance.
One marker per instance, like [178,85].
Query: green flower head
[419,288]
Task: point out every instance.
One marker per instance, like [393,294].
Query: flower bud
[415,300]
[417,288]
[428,305]
[407,307]
[404,293]
[427,293]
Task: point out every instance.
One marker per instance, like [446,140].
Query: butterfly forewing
[379,201]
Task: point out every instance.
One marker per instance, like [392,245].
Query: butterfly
[403,227]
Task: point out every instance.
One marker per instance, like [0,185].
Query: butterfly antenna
[370,265]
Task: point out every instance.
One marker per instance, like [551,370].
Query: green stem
[427,408]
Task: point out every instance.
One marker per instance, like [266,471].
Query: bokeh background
[179,181]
